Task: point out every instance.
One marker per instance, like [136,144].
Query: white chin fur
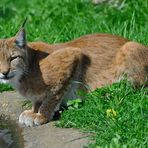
[1,76]
[4,81]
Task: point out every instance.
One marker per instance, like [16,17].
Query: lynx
[49,74]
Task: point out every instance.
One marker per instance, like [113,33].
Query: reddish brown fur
[94,60]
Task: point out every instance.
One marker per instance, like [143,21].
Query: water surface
[10,133]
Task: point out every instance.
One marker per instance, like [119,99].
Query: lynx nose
[5,73]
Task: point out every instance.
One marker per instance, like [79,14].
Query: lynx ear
[20,38]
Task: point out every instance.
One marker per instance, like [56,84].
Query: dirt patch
[45,136]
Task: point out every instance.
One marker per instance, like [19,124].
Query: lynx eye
[13,58]
[16,57]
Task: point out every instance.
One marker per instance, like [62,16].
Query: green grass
[114,115]
[4,87]
[62,20]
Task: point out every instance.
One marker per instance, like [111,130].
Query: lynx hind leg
[62,67]
[132,61]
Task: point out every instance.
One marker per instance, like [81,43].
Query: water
[10,134]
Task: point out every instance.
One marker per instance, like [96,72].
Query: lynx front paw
[29,118]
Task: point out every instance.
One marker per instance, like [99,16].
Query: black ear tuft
[23,24]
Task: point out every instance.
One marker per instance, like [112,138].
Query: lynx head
[13,57]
